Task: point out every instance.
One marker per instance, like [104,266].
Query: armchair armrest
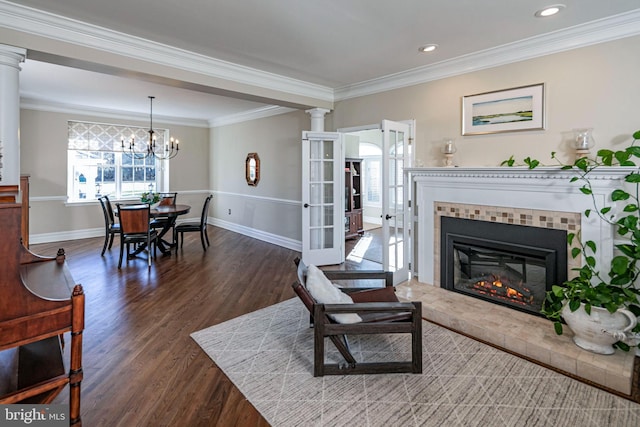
[393,313]
[367,307]
[387,276]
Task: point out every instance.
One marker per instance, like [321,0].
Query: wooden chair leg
[106,242]
[206,235]
[202,240]
[149,253]
[113,235]
[121,251]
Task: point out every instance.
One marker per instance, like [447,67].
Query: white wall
[271,210]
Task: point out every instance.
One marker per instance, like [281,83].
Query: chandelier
[167,150]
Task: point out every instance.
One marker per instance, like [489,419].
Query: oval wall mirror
[252,169]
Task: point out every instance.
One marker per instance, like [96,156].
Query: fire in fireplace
[506,264]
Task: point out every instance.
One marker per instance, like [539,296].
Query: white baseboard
[294,245]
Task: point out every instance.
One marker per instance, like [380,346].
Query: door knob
[306,205]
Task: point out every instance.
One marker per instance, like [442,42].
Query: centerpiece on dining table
[153,199]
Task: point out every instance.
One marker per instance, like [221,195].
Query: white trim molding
[294,245]
[590,33]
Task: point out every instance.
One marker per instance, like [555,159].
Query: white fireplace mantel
[542,188]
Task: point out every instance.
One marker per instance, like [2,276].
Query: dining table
[171,212]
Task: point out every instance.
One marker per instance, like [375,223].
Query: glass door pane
[321,238]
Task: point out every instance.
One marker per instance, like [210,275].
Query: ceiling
[332,43]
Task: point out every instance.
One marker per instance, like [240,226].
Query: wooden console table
[39,302]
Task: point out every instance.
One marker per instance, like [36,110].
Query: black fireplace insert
[507,264]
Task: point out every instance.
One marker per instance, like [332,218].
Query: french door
[322,198]
[395,228]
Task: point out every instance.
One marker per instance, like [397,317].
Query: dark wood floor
[141,368]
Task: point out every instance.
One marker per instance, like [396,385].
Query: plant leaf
[574,304]
[618,195]
[509,162]
[619,264]
[633,177]
[558,327]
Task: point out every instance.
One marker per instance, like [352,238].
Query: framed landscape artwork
[509,110]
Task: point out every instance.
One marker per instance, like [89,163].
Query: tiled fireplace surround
[543,197]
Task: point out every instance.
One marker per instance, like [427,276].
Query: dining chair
[135,226]
[168,198]
[200,227]
[165,199]
[111,227]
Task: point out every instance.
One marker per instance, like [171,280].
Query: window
[372,180]
[372,158]
[98,166]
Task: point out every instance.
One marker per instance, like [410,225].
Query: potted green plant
[151,198]
[592,296]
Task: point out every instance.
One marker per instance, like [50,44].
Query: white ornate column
[10,59]
[317,118]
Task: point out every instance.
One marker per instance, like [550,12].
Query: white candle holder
[448,149]
[583,142]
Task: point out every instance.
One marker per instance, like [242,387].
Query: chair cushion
[325,292]
[188,226]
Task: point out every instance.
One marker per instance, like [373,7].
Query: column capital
[317,118]
[12,56]
[317,112]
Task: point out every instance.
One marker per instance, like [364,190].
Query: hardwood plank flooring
[141,368]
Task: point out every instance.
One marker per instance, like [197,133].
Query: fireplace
[507,264]
[544,197]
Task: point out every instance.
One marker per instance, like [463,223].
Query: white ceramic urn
[597,331]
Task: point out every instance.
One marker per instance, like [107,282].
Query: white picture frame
[508,110]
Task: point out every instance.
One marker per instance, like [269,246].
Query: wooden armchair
[380,312]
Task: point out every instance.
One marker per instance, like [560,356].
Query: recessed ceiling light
[428,48]
[549,10]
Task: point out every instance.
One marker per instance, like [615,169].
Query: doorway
[365,249]
[385,151]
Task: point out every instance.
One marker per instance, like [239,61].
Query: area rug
[268,355]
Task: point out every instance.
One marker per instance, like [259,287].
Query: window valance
[107,137]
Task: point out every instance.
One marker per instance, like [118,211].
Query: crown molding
[59,28]
[600,31]
[259,113]
[58,107]
[40,23]
[502,173]
[28,103]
